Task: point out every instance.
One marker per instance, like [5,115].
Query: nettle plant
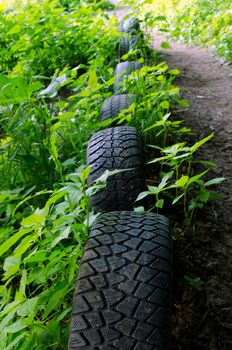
[40,37]
[156,97]
[150,112]
[40,126]
[179,181]
[39,254]
[44,202]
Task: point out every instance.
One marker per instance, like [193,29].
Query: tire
[122,70]
[127,43]
[122,298]
[115,148]
[121,26]
[113,105]
[130,25]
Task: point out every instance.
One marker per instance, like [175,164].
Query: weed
[206,23]
[58,59]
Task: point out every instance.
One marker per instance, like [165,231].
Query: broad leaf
[215,181]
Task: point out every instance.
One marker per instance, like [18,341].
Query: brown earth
[203,319]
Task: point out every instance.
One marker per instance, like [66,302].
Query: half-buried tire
[123,70]
[130,25]
[110,149]
[122,297]
[127,43]
[115,104]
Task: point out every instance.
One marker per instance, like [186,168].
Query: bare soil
[203,319]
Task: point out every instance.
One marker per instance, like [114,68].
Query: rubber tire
[130,25]
[116,148]
[113,105]
[122,70]
[122,298]
[121,26]
[127,43]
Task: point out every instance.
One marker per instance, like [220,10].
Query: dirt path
[207,86]
[203,320]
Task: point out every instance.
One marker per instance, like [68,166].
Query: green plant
[205,22]
[179,158]
[40,259]
[156,96]
[194,282]
[58,59]
[44,202]
[41,37]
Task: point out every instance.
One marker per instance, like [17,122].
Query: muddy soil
[202,319]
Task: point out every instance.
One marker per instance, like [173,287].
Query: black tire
[122,70]
[113,105]
[121,26]
[115,148]
[122,298]
[127,43]
[130,25]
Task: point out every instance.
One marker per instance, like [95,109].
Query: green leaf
[15,29]
[7,196]
[54,151]
[201,142]
[56,196]
[165,45]
[207,163]
[57,297]
[165,104]
[110,81]
[153,189]
[36,257]
[215,181]
[159,203]
[197,177]
[160,18]
[25,244]
[64,314]
[92,80]
[33,220]
[108,173]
[175,200]
[156,160]
[11,263]
[139,209]
[165,179]
[174,72]
[182,181]
[54,86]
[12,240]
[174,149]
[143,195]
[16,327]
[203,196]
[157,124]
[215,195]
[23,283]
[183,103]
[8,311]
[184,155]
[28,307]
[63,235]
[16,341]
